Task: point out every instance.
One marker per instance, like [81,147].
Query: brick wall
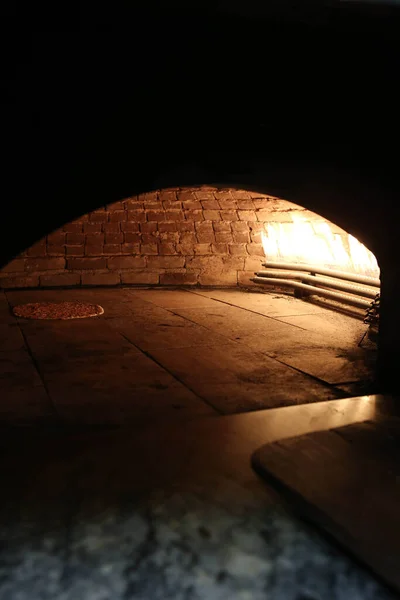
[174,236]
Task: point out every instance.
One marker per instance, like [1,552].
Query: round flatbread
[57,310]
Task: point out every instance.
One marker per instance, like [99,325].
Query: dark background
[294,99]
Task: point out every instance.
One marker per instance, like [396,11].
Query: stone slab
[102,401]
[26,405]
[173,298]
[167,331]
[266,303]
[331,364]
[11,337]
[257,331]
[17,369]
[333,326]
[239,373]
[6,316]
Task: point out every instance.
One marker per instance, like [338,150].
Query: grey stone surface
[5,314]
[148,330]
[243,379]
[17,369]
[181,547]
[265,303]
[173,298]
[25,404]
[336,327]
[11,337]
[258,332]
[334,365]
[174,354]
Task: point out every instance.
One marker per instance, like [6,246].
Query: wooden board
[347,481]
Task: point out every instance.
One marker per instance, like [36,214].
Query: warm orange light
[315,243]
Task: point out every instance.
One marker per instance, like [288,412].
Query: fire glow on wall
[314,260]
[317,244]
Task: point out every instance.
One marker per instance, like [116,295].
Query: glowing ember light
[316,243]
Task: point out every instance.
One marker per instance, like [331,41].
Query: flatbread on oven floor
[57,310]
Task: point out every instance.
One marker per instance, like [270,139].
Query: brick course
[44,264]
[52,250]
[86,263]
[175,236]
[101,278]
[60,280]
[139,278]
[126,262]
[75,250]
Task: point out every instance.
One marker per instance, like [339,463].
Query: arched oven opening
[248,301]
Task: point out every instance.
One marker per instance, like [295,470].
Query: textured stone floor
[174,354]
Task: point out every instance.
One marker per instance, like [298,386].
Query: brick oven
[178,236]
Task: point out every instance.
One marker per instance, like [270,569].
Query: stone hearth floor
[174,354]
